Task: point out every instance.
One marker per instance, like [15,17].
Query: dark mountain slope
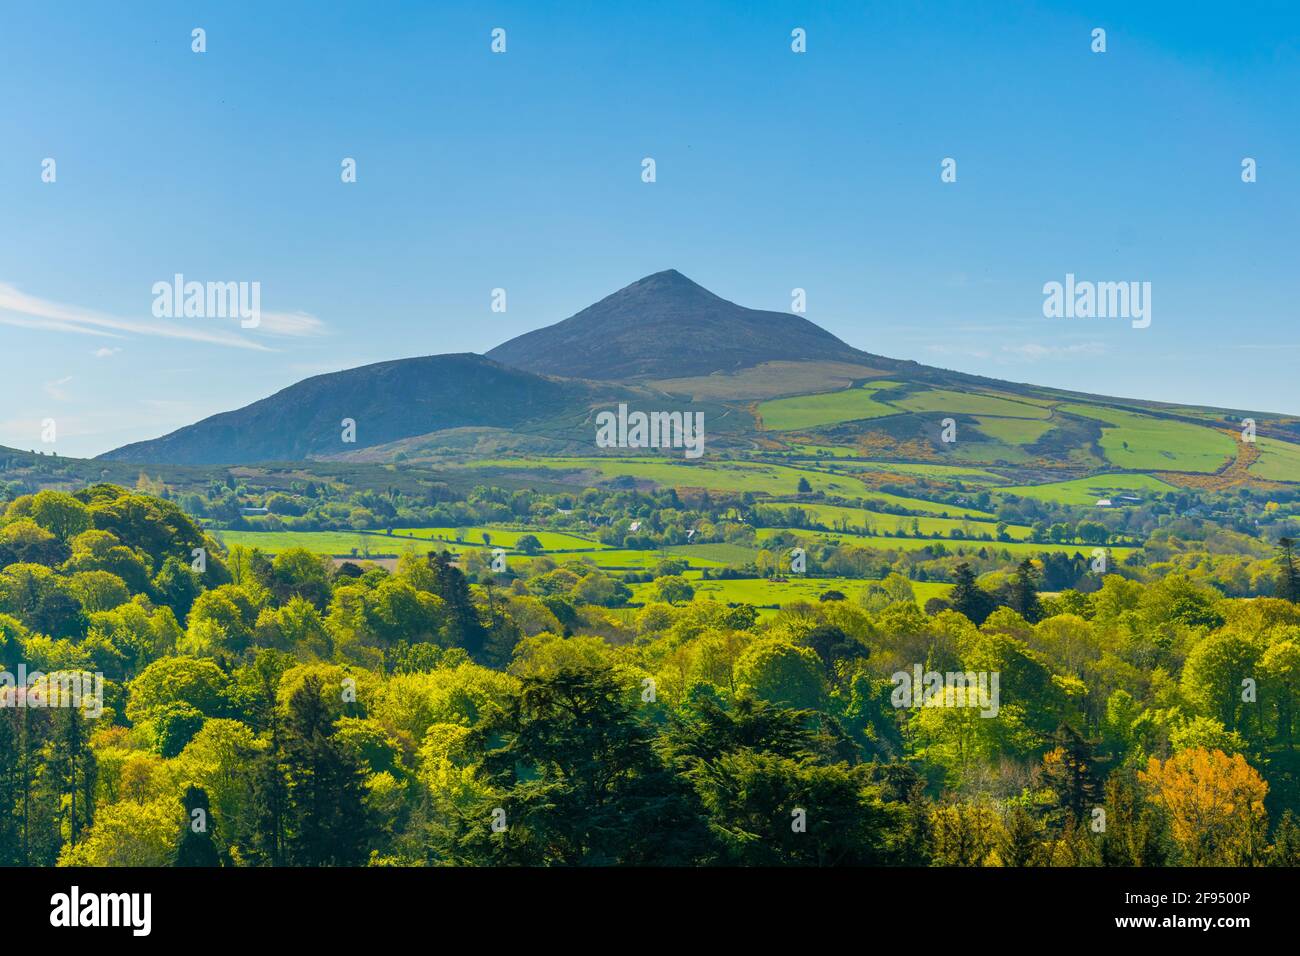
[388,401]
[666,326]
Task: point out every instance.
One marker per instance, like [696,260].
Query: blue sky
[522,171]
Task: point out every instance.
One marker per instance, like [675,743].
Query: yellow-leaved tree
[1215,806]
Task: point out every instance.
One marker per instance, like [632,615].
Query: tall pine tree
[968,597]
[329,820]
[451,585]
[1024,593]
[1288,580]
[196,847]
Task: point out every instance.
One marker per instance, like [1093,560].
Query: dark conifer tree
[1069,770]
[196,847]
[1288,581]
[11,790]
[1020,841]
[328,820]
[269,803]
[1286,842]
[73,764]
[968,597]
[1131,833]
[1024,593]
[451,585]
[578,781]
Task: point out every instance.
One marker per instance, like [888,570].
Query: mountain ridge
[385,399]
[656,343]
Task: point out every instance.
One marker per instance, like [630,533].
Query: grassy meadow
[955,545]
[1087,491]
[1145,443]
[810,411]
[1278,460]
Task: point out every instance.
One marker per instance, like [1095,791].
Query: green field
[949,472]
[883,543]
[942,401]
[762,592]
[343,543]
[941,526]
[339,543]
[715,475]
[1140,442]
[1278,460]
[736,554]
[831,515]
[810,411]
[1014,431]
[1086,491]
[699,556]
[836,516]
[824,451]
[986,452]
[402,539]
[859,463]
[628,559]
[938,509]
[502,537]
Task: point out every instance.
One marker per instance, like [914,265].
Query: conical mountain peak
[666,325]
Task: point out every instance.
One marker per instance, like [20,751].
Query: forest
[298,710]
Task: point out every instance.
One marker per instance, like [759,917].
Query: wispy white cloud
[104,352]
[55,390]
[19,309]
[51,325]
[291,324]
